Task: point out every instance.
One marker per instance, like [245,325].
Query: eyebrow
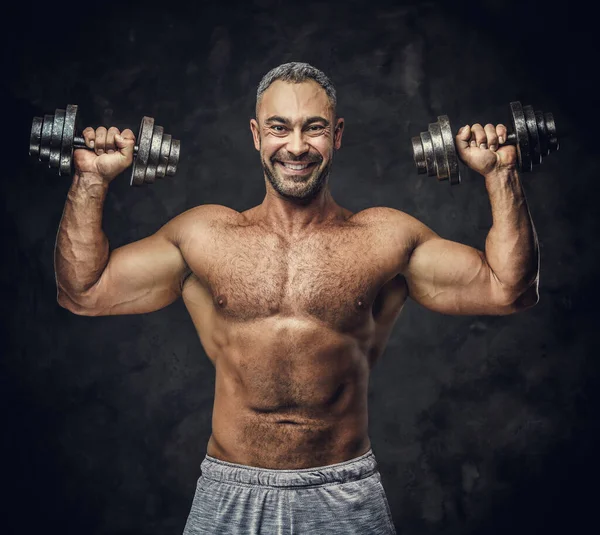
[283,120]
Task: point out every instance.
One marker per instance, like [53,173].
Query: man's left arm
[453,278]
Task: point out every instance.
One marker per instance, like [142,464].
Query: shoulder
[199,218]
[395,225]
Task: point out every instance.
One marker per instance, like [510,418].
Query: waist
[352,469]
[286,440]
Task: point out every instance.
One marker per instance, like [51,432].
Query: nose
[297,144]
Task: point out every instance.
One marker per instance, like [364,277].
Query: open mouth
[296,168]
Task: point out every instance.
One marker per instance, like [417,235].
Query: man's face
[296,137]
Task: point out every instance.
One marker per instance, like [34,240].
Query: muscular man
[293,301]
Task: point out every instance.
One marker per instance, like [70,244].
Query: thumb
[462,138]
[125,143]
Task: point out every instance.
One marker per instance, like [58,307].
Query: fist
[479,148]
[112,154]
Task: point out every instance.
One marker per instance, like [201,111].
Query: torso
[293,328]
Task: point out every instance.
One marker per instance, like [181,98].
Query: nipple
[222,301]
[361,303]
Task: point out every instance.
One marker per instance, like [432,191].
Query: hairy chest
[335,277]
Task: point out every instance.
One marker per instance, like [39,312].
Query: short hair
[296,72]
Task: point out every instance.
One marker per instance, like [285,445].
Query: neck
[294,216]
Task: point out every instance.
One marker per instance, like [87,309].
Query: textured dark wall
[480,424]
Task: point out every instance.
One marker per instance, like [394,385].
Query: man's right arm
[91,280]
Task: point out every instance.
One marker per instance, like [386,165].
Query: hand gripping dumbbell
[533,134]
[54,137]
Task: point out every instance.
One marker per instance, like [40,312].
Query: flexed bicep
[453,278]
[140,277]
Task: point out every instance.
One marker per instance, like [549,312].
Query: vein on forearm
[511,246]
[82,248]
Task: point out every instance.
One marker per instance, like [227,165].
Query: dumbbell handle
[79,143]
[511,139]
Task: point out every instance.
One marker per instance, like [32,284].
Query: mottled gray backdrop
[481,425]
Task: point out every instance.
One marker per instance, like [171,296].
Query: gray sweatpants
[344,498]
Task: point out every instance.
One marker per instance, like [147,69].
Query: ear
[255,133]
[337,133]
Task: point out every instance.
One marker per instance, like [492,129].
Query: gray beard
[309,193]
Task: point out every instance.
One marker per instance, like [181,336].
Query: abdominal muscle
[290,393]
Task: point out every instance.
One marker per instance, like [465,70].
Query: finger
[89,134]
[502,133]
[462,137]
[479,135]
[128,134]
[492,137]
[100,139]
[125,142]
[110,139]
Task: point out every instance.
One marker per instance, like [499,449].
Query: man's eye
[316,127]
[275,127]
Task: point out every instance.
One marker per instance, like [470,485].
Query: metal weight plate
[551,128]
[439,154]
[543,133]
[173,157]
[163,157]
[534,138]
[56,138]
[36,136]
[141,160]
[520,129]
[45,139]
[428,151]
[155,144]
[66,149]
[449,150]
[419,155]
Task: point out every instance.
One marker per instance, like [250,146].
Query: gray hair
[296,73]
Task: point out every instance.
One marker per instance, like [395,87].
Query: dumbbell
[533,134]
[54,137]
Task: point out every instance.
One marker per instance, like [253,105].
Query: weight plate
[543,133]
[439,154]
[163,157]
[141,160]
[419,155]
[155,145]
[36,136]
[520,129]
[45,140]
[551,128]
[66,149]
[534,138]
[173,157]
[56,138]
[428,151]
[449,150]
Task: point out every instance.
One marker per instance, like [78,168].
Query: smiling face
[296,133]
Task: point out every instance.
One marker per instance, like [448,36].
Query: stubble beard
[301,190]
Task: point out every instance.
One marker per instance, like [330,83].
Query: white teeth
[295,167]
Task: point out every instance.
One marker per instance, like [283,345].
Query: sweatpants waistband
[350,470]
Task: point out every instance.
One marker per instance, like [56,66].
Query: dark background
[481,425]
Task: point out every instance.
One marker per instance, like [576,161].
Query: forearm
[82,250]
[511,246]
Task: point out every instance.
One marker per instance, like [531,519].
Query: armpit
[184,277]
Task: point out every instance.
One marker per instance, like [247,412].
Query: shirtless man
[293,301]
